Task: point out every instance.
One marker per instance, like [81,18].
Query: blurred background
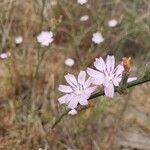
[30,74]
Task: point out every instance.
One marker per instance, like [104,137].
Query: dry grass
[28,106]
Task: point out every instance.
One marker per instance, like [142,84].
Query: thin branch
[101,93]
[59,119]
[39,60]
[39,47]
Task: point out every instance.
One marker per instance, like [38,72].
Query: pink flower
[45,38]
[107,75]
[5,55]
[97,38]
[82,1]
[84,18]
[19,39]
[77,92]
[69,62]
[112,23]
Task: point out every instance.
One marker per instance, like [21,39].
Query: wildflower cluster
[44,38]
[97,36]
[79,90]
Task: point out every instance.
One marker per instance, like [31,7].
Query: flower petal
[70,78]
[62,99]
[118,70]
[69,98]
[74,102]
[87,93]
[110,63]
[65,89]
[87,82]
[132,79]
[83,101]
[116,81]
[94,73]
[109,90]
[97,81]
[100,64]
[72,112]
[82,77]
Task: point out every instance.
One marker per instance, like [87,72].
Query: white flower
[5,55]
[18,39]
[84,18]
[82,2]
[45,38]
[69,62]
[97,38]
[112,23]
[107,75]
[72,112]
[78,91]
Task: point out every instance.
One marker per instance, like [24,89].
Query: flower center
[110,77]
[78,90]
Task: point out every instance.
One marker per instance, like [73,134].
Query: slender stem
[39,59]
[139,81]
[101,93]
[39,48]
[59,119]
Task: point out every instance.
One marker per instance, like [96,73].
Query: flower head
[77,92]
[112,23]
[107,74]
[18,39]
[82,2]
[69,62]
[45,38]
[97,38]
[84,18]
[5,55]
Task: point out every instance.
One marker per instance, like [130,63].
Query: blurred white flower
[45,38]
[53,2]
[72,112]
[18,39]
[112,23]
[97,38]
[82,2]
[78,91]
[84,18]
[69,62]
[5,55]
